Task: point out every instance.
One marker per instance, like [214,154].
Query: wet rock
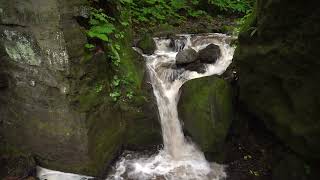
[205,107]
[209,54]
[186,56]
[147,44]
[197,66]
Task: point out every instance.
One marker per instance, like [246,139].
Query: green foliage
[99,88]
[239,6]
[101,25]
[117,85]
[247,23]
[153,12]
[107,30]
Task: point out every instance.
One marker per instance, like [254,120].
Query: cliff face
[278,65]
[50,107]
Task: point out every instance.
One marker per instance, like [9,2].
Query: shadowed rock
[210,54]
[186,56]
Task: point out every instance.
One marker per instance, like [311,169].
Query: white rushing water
[179,159]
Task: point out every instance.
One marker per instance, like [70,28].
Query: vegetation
[106,29]
[240,6]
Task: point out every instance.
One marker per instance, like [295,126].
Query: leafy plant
[99,88]
[107,30]
[240,6]
[115,95]
[101,25]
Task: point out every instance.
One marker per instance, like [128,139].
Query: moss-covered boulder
[205,107]
[278,65]
[147,44]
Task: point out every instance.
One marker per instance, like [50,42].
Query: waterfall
[179,159]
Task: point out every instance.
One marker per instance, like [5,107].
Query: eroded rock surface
[50,107]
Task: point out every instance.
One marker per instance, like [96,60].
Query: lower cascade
[180,158]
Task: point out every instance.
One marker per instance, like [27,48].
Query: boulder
[205,107]
[279,72]
[196,66]
[186,56]
[209,54]
[147,44]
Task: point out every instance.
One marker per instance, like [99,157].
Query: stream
[180,158]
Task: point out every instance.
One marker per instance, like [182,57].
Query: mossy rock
[278,72]
[147,44]
[205,107]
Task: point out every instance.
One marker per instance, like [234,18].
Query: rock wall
[50,108]
[278,65]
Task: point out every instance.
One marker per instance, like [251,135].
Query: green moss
[278,68]
[147,44]
[106,133]
[206,108]
[132,64]
[143,127]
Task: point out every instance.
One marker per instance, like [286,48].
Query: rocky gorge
[260,117]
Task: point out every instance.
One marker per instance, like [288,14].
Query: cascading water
[179,158]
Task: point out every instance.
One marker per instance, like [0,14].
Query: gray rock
[186,56]
[209,54]
[197,66]
[49,104]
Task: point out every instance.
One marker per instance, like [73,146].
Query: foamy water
[179,159]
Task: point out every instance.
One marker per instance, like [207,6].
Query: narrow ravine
[180,158]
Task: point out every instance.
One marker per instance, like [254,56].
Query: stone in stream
[186,56]
[209,54]
[205,107]
[187,59]
[147,44]
[196,66]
